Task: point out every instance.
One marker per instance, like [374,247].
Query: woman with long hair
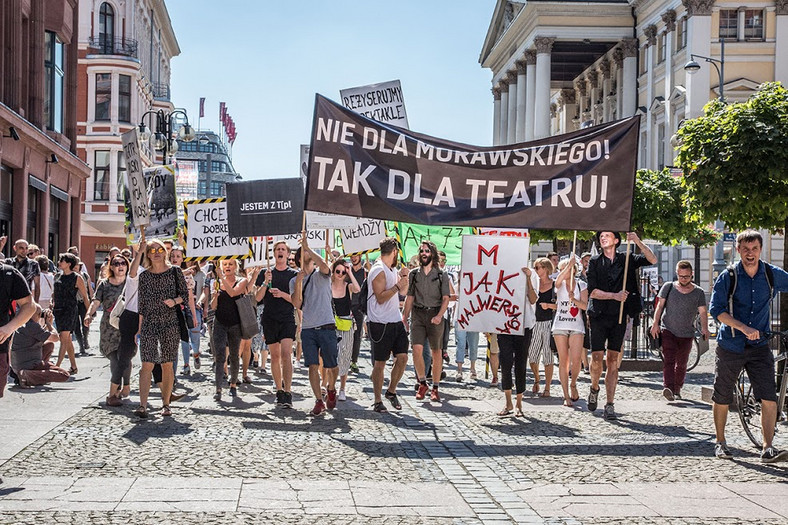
[541,350]
[343,283]
[162,289]
[107,292]
[64,305]
[227,324]
[568,327]
[187,348]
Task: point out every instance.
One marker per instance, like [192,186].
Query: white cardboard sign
[492,285]
[206,232]
[382,102]
[316,239]
[135,180]
[364,236]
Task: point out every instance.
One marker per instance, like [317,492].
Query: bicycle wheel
[749,410]
[694,356]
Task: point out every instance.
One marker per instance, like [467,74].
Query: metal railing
[102,45]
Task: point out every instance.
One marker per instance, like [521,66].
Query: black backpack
[364,294]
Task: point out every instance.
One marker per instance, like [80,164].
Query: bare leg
[548,378]
[245,354]
[611,377]
[535,370]
[314,381]
[377,379]
[768,420]
[494,364]
[286,361]
[167,379]
[720,413]
[437,366]
[418,362]
[330,377]
[562,343]
[145,379]
[576,352]
[508,396]
[66,347]
[277,364]
[596,369]
[400,362]
[342,381]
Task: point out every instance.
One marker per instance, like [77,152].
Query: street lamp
[691,68]
[162,138]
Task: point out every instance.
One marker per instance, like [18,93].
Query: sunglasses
[339,272]
[119,263]
[425,251]
[156,250]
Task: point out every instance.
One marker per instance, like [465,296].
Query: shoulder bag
[180,312]
[248,315]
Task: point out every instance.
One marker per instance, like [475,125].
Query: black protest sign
[265,207]
[580,180]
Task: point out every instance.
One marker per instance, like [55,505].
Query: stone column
[607,88]
[13,74]
[21,187]
[593,81]
[651,42]
[511,77]
[530,93]
[781,39]
[519,134]
[567,101]
[581,87]
[544,46]
[629,94]
[504,111]
[699,43]
[36,74]
[618,60]
[669,17]
[496,91]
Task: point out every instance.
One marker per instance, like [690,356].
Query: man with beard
[427,301]
[27,267]
[360,273]
[386,328]
[606,293]
[278,320]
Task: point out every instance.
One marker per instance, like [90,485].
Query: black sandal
[379,408]
[141,411]
[393,400]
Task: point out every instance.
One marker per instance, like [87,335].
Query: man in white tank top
[386,329]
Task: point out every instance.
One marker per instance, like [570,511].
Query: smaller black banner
[265,207]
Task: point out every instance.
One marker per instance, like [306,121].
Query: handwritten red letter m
[492,252]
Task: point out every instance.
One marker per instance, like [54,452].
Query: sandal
[141,411]
[568,402]
[393,400]
[519,412]
[165,410]
[247,380]
[73,371]
[546,392]
[379,407]
[505,412]
[535,388]
[576,394]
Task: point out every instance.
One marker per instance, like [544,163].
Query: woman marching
[162,289]
[107,292]
[568,327]
[227,324]
[64,305]
[540,350]
[343,283]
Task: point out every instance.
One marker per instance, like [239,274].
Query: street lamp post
[163,137]
[691,68]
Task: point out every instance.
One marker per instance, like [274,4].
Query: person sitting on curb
[30,352]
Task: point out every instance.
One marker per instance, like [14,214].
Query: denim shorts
[317,343]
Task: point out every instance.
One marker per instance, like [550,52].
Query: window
[681,33]
[202,188]
[753,24]
[729,24]
[101,176]
[218,166]
[53,82]
[121,176]
[106,28]
[103,96]
[661,146]
[124,98]
[661,43]
[203,165]
[217,188]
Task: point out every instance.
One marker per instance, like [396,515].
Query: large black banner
[265,207]
[581,180]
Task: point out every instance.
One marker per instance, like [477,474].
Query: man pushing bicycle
[741,302]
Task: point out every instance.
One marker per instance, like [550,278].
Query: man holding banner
[606,274]
[425,305]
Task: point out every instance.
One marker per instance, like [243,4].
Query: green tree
[735,161]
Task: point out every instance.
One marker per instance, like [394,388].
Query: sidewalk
[244,461]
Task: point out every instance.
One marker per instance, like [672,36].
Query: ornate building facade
[125,49]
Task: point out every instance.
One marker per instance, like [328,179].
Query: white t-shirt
[568,317]
[130,292]
[47,283]
[387,312]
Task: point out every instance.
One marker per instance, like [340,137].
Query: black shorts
[607,333]
[759,363]
[274,331]
[387,339]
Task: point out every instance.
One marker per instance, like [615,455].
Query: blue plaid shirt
[751,304]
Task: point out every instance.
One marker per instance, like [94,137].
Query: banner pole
[267,259]
[572,272]
[624,287]
[328,251]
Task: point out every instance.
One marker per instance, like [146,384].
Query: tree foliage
[735,161]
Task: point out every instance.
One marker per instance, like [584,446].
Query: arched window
[106,27]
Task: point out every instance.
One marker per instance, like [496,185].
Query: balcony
[161,91]
[108,46]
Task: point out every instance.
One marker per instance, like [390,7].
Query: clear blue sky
[266,59]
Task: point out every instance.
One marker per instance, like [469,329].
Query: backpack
[364,293]
[733,278]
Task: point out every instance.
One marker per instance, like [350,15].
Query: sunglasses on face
[425,251]
[156,250]
[339,272]
[119,263]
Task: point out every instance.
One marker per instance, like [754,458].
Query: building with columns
[125,49]
[559,66]
[41,175]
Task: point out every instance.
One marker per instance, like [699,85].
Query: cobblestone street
[243,460]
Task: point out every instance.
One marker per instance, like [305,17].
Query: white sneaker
[459,377]
[342,396]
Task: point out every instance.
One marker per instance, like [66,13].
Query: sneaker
[610,413]
[772,455]
[186,371]
[320,407]
[434,396]
[287,400]
[422,391]
[667,393]
[196,362]
[114,401]
[676,396]
[342,396]
[233,391]
[459,377]
[323,391]
[443,375]
[473,376]
[354,368]
[592,399]
[176,397]
[379,407]
[280,398]
[494,382]
[721,451]
[331,399]
[217,396]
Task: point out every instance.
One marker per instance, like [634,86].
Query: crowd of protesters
[317,308]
